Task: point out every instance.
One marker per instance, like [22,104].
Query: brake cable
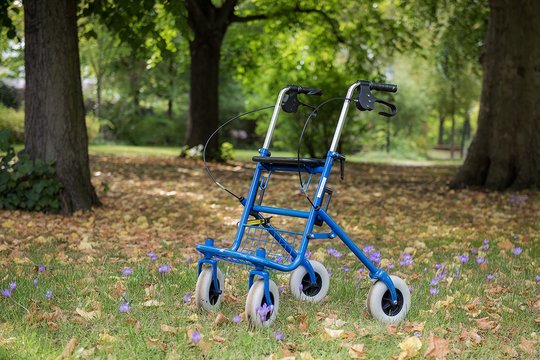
[221,186]
[311,115]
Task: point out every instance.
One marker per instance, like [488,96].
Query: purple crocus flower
[264,311]
[236,319]
[464,258]
[164,268]
[127,271]
[334,253]
[368,249]
[278,335]
[41,268]
[485,242]
[406,260]
[308,254]
[437,265]
[49,294]
[196,337]
[433,291]
[480,260]
[6,292]
[434,281]
[389,266]
[538,278]
[281,288]
[375,257]
[279,258]
[345,268]
[12,285]
[152,255]
[36,282]
[458,275]
[474,251]
[517,251]
[187,297]
[124,307]
[411,289]
[489,277]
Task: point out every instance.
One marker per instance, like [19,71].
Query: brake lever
[392,107]
[366,101]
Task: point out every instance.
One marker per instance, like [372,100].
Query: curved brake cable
[310,116]
[240,198]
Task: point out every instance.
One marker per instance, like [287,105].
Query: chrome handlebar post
[275,114]
[343,116]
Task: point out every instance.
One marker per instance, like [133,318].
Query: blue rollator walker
[261,245]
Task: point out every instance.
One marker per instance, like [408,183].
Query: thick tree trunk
[440,138]
[54,126]
[505,151]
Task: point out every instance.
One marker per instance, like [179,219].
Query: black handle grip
[379,86]
[305,90]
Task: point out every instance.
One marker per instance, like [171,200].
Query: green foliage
[13,121]
[227,151]
[26,184]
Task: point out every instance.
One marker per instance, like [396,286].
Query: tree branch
[297,9]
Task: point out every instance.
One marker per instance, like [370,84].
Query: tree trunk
[54,124]
[505,151]
[440,138]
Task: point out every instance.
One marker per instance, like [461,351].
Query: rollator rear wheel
[379,301]
[258,311]
[301,286]
[207,296]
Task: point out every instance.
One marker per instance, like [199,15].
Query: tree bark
[440,138]
[54,124]
[505,151]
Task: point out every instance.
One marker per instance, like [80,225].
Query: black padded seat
[289,161]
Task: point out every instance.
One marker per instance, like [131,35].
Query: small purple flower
[411,289]
[49,294]
[236,319]
[517,251]
[434,281]
[441,273]
[489,277]
[127,271]
[437,266]
[164,268]
[433,291]
[389,266]
[406,260]
[196,337]
[474,251]
[464,258]
[152,255]
[41,268]
[458,275]
[279,258]
[6,292]
[124,307]
[368,249]
[375,257]
[187,297]
[486,242]
[36,282]
[334,253]
[480,260]
[12,285]
[264,311]
[282,288]
[308,254]
[485,247]
[278,335]
[425,270]
[345,268]
[538,278]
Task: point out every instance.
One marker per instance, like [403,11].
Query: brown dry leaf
[218,339]
[220,319]
[135,323]
[437,347]
[528,346]
[486,324]
[169,329]
[472,308]
[107,338]
[391,329]
[448,302]
[271,357]
[356,351]
[413,327]
[509,350]
[505,245]
[68,350]
[156,344]
[152,303]
[470,337]
[119,289]
[537,320]
[306,356]
[7,341]
[88,315]
[410,347]
[332,320]
[302,323]
[536,303]
[149,290]
[333,334]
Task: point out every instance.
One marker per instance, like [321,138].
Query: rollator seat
[289,161]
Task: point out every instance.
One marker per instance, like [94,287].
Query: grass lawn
[474,275]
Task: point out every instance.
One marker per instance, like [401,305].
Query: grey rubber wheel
[379,302]
[256,299]
[207,296]
[301,286]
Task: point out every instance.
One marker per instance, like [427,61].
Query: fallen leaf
[7,341]
[107,338]
[413,327]
[391,329]
[302,323]
[152,303]
[220,319]
[68,350]
[333,334]
[169,329]
[505,245]
[218,339]
[485,323]
[156,344]
[88,315]
[528,346]
[135,323]
[306,356]
[356,351]
[470,337]
[410,347]
[509,350]
[437,347]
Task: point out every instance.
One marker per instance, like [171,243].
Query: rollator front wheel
[301,286]
[207,295]
[379,301]
[258,311]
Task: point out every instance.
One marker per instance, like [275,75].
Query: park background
[157,77]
